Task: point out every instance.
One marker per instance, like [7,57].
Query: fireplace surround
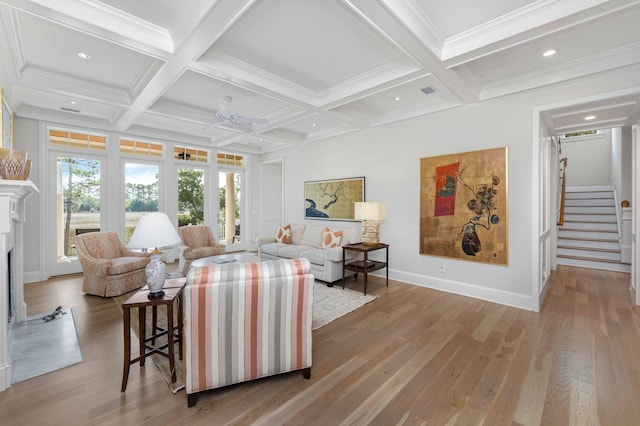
[13,310]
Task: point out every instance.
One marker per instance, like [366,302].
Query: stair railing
[563,189]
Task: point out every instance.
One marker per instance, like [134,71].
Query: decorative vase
[155,274]
[12,163]
[470,241]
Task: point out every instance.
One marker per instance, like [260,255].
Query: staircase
[589,236]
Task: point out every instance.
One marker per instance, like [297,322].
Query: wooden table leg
[180,325]
[366,259]
[142,328]
[343,266]
[387,268]
[171,342]
[126,313]
[154,324]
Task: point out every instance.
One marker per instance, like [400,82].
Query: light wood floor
[414,356]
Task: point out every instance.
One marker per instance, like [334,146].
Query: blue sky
[141,173]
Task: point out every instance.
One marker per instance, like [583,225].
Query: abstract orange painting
[463,206]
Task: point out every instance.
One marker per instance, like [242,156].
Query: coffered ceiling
[305,69]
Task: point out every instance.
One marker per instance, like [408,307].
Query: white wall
[589,160]
[626,165]
[26,139]
[389,158]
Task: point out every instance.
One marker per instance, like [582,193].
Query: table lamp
[154,230]
[370,213]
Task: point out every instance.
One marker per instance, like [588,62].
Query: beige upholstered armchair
[109,268]
[197,242]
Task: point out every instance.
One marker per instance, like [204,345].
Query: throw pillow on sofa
[331,239]
[284,234]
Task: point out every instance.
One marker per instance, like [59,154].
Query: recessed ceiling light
[83,55]
[550,52]
[73,102]
[314,124]
[590,117]
[397,98]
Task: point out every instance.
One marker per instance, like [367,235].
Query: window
[141,193]
[230,160]
[80,140]
[78,202]
[230,188]
[140,148]
[190,196]
[190,154]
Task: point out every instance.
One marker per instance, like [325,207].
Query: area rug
[39,346]
[329,304]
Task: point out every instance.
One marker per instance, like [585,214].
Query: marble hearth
[13,310]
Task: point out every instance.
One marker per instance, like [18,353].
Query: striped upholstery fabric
[246,321]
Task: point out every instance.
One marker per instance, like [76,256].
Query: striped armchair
[246,321]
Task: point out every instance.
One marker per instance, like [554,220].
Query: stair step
[589,244]
[604,202]
[610,255]
[585,262]
[582,195]
[600,218]
[585,248]
[590,210]
[599,240]
[589,226]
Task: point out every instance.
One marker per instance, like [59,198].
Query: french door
[76,200]
[231,223]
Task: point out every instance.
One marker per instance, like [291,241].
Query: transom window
[79,140]
[140,148]
[190,154]
[230,160]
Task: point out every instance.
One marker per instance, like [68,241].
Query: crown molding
[411,15]
[35,78]
[526,18]
[9,20]
[102,21]
[607,61]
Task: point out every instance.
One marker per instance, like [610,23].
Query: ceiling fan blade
[213,124]
[248,120]
[242,127]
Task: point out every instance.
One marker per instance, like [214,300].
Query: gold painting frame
[6,122]
[333,199]
[463,206]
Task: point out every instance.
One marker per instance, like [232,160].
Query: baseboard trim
[516,300]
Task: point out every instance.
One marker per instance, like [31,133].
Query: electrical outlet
[442,268]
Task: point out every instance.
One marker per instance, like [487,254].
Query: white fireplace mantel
[13,194]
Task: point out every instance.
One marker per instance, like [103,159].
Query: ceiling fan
[227,118]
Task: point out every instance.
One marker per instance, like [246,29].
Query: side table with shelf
[365,266]
[172,293]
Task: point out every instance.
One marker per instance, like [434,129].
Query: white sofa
[306,242]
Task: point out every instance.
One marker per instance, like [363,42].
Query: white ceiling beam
[617,58]
[102,21]
[212,28]
[410,38]
[534,15]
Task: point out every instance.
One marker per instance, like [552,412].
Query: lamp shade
[154,230]
[370,210]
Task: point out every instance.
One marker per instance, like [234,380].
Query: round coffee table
[225,258]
